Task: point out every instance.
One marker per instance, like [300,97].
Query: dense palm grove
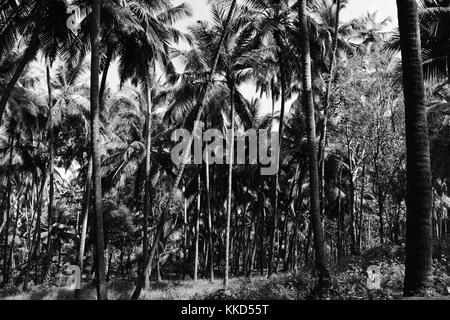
[86,175]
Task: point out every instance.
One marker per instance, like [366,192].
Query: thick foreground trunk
[419,195]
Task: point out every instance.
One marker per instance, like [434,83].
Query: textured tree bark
[102,293]
[319,244]
[418,200]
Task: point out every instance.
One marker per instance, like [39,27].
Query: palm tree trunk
[8,204]
[148,181]
[29,54]
[280,132]
[51,169]
[197,229]
[361,211]
[418,200]
[210,227]
[230,189]
[285,236]
[37,231]
[319,244]
[11,248]
[85,209]
[95,144]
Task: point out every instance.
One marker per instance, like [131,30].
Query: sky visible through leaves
[355,8]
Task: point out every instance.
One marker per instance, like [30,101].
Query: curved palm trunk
[319,245]
[29,54]
[148,182]
[51,169]
[165,214]
[230,190]
[95,144]
[419,194]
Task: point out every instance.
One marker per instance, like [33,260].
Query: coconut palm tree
[41,24]
[324,276]
[164,217]
[102,293]
[419,197]
[142,52]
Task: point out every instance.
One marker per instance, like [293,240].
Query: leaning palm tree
[419,190]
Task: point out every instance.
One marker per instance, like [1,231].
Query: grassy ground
[165,290]
[348,283]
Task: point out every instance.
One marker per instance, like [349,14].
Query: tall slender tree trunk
[380,214]
[35,243]
[95,143]
[282,66]
[11,248]
[210,227]
[230,188]
[51,193]
[84,227]
[319,244]
[197,228]
[361,210]
[8,202]
[148,181]
[419,194]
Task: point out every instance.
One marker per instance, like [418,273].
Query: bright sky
[355,9]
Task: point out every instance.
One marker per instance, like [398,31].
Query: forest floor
[348,283]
